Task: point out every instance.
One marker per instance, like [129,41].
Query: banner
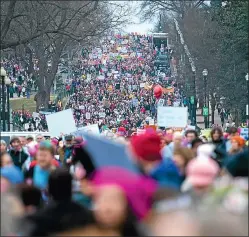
[168,90]
[172,116]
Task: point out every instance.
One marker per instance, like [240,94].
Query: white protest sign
[82,107]
[35,115]
[92,129]
[102,114]
[140,131]
[142,85]
[61,122]
[101,77]
[161,102]
[26,126]
[88,115]
[151,122]
[172,117]
[89,77]
[190,127]
[244,132]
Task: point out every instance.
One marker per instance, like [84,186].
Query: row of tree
[217,37]
[45,30]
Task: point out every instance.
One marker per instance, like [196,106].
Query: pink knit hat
[32,149]
[202,171]
[138,189]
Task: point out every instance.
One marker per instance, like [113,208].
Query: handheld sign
[61,122]
[92,129]
[105,152]
[172,116]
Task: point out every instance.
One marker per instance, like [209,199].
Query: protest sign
[109,153]
[102,114]
[140,131]
[160,102]
[82,107]
[35,115]
[61,122]
[151,122]
[142,85]
[190,127]
[244,133]
[172,116]
[101,77]
[26,126]
[89,129]
[206,133]
[88,115]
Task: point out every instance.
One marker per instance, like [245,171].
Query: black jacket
[57,217]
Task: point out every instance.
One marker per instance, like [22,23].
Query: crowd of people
[156,182]
[24,120]
[184,185]
[22,82]
[116,87]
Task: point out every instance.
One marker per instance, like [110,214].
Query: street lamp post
[247,106]
[206,105]
[195,99]
[3,113]
[7,83]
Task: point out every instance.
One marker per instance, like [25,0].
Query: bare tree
[151,7]
[93,19]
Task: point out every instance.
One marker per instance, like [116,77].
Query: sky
[140,28]
[137,26]
[143,27]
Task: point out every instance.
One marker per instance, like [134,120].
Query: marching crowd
[161,182]
[184,186]
[117,81]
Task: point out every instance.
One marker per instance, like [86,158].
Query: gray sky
[136,27]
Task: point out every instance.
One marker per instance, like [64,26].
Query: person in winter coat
[220,145]
[146,149]
[61,213]
[65,152]
[17,153]
[238,144]
[38,174]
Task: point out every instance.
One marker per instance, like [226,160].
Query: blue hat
[13,174]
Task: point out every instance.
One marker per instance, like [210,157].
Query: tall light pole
[194,102]
[3,113]
[7,83]
[247,106]
[205,110]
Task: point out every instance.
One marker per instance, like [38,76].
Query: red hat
[147,146]
[121,131]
